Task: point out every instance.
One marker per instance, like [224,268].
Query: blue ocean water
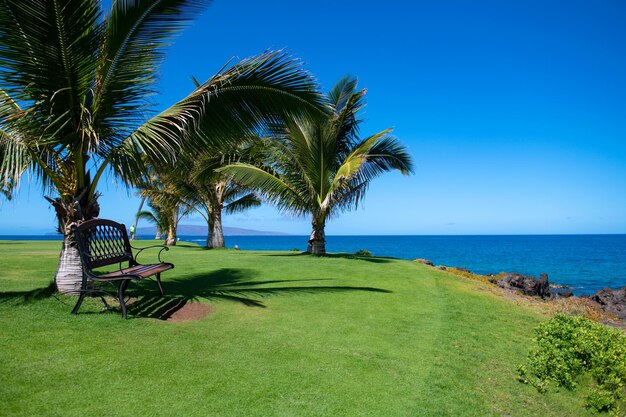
[586,263]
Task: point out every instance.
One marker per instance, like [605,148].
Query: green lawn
[289,334]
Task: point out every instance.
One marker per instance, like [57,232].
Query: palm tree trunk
[143,200]
[209,227]
[317,242]
[216,235]
[171,228]
[69,274]
[171,235]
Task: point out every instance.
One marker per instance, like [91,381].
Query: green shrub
[363,252]
[568,347]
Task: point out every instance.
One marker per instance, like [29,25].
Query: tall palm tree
[158,216]
[166,217]
[164,195]
[74,84]
[212,193]
[194,183]
[320,166]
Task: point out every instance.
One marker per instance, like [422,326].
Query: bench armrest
[139,250]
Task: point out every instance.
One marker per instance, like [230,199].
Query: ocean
[586,263]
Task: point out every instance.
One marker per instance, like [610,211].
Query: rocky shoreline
[612,301]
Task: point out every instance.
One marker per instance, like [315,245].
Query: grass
[290,335]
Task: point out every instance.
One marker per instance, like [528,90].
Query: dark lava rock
[462,269]
[613,301]
[443,268]
[526,284]
[424,261]
[563,294]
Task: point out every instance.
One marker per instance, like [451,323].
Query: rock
[526,284]
[563,294]
[423,261]
[462,269]
[442,268]
[612,301]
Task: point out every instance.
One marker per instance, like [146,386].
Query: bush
[363,252]
[569,347]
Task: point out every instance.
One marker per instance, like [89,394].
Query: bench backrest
[102,242]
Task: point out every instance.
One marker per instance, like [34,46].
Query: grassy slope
[285,338]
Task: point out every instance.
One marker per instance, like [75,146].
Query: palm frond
[270,186]
[14,155]
[231,104]
[136,34]
[388,154]
[342,91]
[358,156]
[47,59]
[242,204]
[347,103]
[147,215]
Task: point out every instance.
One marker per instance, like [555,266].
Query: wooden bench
[102,243]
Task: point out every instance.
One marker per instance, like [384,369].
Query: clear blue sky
[515,112]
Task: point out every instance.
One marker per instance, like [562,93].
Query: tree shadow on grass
[28,296]
[238,285]
[372,259]
[232,285]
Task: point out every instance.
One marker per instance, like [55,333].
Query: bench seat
[143,271]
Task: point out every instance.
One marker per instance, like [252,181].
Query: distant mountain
[193,230]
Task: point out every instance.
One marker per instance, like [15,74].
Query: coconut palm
[320,166]
[212,193]
[164,195]
[74,84]
[157,216]
[194,183]
[166,218]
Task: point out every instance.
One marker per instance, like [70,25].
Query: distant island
[193,230]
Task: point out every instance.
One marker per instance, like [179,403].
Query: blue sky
[514,112]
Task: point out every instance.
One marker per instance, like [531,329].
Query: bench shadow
[154,307]
[237,285]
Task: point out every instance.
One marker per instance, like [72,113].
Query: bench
[102,243]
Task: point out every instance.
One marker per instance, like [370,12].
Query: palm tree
[164,195]
[320,166]
[212,193]
[194,183]
[159,217]
[166,218]
[74,84]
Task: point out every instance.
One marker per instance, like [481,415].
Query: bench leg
[104,301]
[120,295]
[158,280]
[79,302]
